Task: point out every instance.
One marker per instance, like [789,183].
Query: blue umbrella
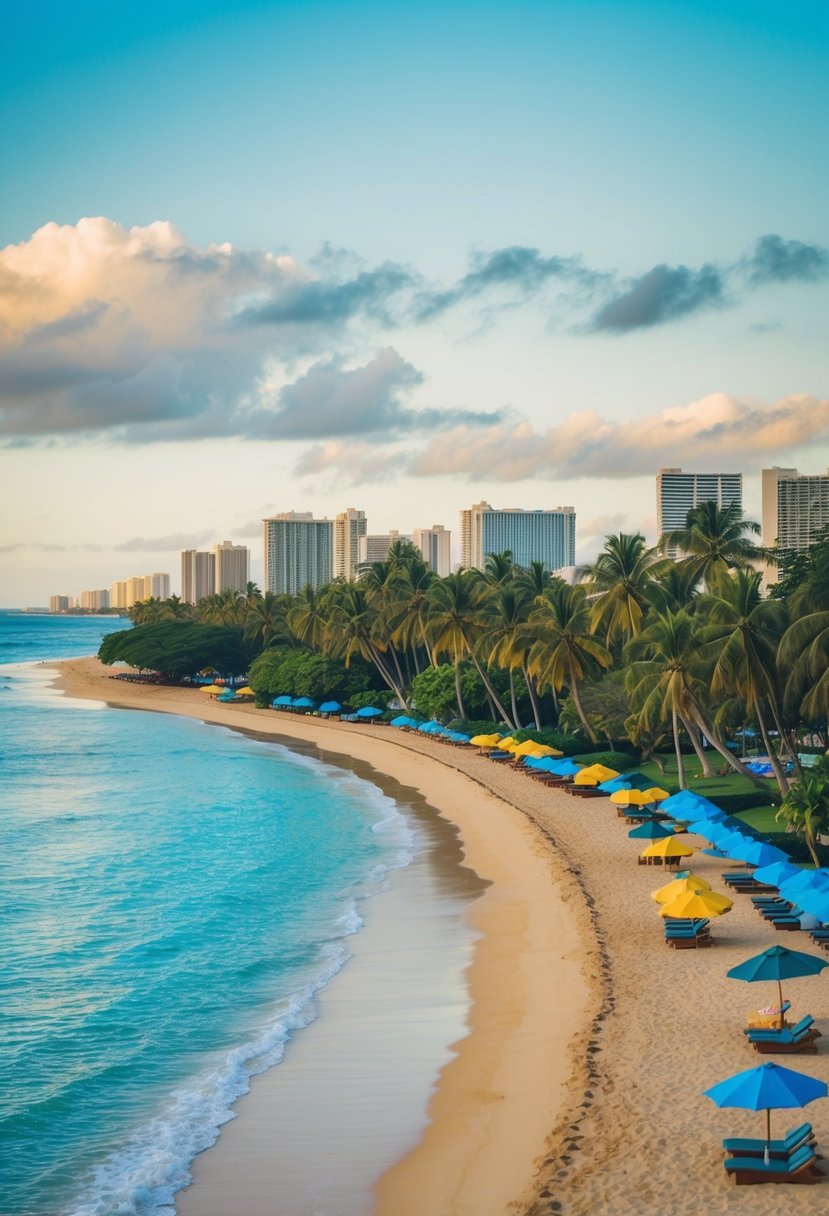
[652,830]
[626,781]
[687,800]
[816,903]
[778,963]
[565,767]
[330,707]
[758,853]
[283,700]
[369,711]
[401,720]
[768,1087]
[806,880]
[777,872]
[303,703]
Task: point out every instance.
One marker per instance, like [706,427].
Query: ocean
[173,898]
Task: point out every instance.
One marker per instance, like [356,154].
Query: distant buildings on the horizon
[300,550]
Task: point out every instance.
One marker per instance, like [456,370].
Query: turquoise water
[172,896]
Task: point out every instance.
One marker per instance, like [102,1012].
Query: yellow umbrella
[506,743]
[694,905]
[593,774]
[484,740]
[544,750]
[245,692]
[678,886]
[669,847]
[629,798]
[212,688]
[655,794]
[529,748]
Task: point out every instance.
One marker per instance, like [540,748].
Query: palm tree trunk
[696,741]
[716,742]
[385,674]
[779,775]
[512,701]
[533,697]
[493,695]
[458,694]
[574,693]
[680,764]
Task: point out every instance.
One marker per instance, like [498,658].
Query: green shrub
[732,804]
[477,726]
[618,760]
[795,845]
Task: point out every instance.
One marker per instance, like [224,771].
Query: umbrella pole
[767,1153]
[780,1003]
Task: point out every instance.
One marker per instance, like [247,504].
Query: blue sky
[400,257]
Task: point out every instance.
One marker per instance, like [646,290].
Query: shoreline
[630,1132]
[509,1076]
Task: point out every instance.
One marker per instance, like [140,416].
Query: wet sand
[507,1081]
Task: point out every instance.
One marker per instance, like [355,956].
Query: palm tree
[803,654]
[266,620]
[307,616]
[743,632]
[618,583]
[564,649]
[535,577]
[498,568]
[806,807]
[407,608]
[504,642]
[352,628]
[454,627]
[715,539]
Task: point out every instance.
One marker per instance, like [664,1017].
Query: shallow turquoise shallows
[172,897]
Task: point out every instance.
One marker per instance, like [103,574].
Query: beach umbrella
[696,904]
[245,692]
[529,747]
[626,781]
[805,882]
[651,830]
[213,689]
[678,886]
[485,740]
[282,701]
[668,848]
[330,707]
[768,1087]
[369,711]
[656,793]
[778,963]
[303,703]
[816,903]
[687,800]
[757,853]
[545,751]
[592,774]
[629,798]
[774,874]
[563,768]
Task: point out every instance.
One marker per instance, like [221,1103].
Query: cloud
[319,303]
[706,434]
[19,545]
[515,266]
[171,543]
[664,294]
[356,462]
[776,260]
[331,399]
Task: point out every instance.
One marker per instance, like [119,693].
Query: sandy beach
[578,1085]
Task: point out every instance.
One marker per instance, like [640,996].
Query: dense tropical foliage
[644,652]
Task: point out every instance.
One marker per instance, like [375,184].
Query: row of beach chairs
[792,1159]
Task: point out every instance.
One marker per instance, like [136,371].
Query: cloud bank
[137,335]
[710,434]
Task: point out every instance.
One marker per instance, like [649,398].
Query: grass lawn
[709,787]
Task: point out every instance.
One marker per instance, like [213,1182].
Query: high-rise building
[135,590]
[677,493]
[376,548]
[547,536]
[298,552]
[159,585]
[349,526]
[59,603]
[435,548]
[232,566]
[198,575]
[118,594]
[95,601]
[795,508]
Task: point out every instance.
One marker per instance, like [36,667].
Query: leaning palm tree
[618,584]
[715,539]
[454,627]
[266,622]
[352,629]
[504,642]
[565,649]
[742,631]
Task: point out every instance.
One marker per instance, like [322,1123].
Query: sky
[264,257]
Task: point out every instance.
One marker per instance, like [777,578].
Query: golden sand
[579,1085]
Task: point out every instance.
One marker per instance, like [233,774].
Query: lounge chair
[800,1167]
[787,1040]
[794,1139]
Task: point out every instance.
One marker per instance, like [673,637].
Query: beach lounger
[794,1139]
[800,1167]
[799,1038]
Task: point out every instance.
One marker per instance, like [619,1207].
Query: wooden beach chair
[778,1150]
[800,1167]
